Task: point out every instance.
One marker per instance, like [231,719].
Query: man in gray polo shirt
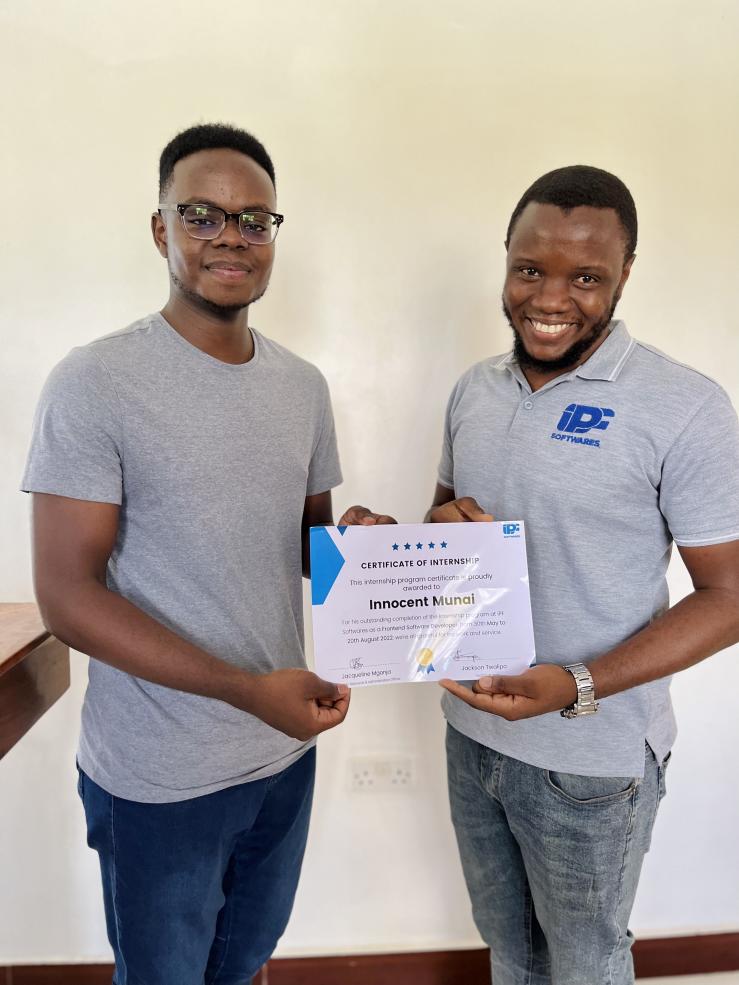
[608,450]
[177,467]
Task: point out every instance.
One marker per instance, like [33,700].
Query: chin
[221,305]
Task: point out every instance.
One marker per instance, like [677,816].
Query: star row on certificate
[419,546]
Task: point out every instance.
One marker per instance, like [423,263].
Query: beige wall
[403,133]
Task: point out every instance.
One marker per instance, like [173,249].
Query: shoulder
[485,375]
[96,358]
[128,343]
[88,370]
[80,368]
[663,371]
[672,390]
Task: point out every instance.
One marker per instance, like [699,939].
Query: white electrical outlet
[381,772]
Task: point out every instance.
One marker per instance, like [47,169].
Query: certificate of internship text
[420,602]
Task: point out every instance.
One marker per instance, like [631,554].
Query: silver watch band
[586,703]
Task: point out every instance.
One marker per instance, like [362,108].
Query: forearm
[704,622]
[92,619]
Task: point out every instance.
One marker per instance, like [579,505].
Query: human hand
[296,702]
[361,516]
[541,689]
[459,511]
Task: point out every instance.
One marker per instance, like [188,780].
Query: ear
[625,273]
[159,233]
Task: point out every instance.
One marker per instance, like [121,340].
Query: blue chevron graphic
[326,561]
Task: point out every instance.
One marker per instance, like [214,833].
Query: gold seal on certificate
[420,602]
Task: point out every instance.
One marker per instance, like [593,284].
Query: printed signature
[458,655]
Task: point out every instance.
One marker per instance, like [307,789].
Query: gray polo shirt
[210,464]
[607,465]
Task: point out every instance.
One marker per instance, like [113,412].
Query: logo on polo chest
[579,419]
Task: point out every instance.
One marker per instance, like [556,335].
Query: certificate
[420,602]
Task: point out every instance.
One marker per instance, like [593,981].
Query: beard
[223,311]
[570,358]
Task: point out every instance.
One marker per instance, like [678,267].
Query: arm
[704,622]
[72,541]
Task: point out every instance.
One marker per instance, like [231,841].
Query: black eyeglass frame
[182,206]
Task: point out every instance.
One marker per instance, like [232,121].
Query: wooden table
[34,671]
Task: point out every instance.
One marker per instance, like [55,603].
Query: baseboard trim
[655,957]
[702,954]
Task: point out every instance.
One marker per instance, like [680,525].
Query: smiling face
[564,276]
[223,275]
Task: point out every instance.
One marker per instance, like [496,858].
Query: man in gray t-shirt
[609,451]
[177,467]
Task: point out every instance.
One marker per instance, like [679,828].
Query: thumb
[357,515]
[471,509]
[513,684]
[325,690]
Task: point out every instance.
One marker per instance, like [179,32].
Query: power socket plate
[382,773]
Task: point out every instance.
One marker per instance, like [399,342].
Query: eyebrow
[253,207]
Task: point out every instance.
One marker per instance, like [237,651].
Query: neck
[225,337]
[537,372]
[537,378]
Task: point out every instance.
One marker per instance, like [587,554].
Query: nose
[552,296]
[230,235]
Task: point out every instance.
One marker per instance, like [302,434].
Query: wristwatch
[586,703]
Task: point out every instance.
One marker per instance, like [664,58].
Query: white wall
[439,116]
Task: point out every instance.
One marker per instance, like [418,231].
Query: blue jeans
[552,862]
[199,891]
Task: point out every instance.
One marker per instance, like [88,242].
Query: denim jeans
[552,862]
[199,891]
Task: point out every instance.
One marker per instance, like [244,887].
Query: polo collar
[610,357]
[606,362]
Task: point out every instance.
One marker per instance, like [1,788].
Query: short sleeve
[76,444]
[446,465]
[699,492]
[324,472]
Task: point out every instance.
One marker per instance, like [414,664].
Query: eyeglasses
[208,222]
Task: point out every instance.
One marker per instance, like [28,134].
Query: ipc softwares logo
[511,529]
[579,419]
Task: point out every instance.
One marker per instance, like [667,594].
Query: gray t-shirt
[607,465]
[211,464]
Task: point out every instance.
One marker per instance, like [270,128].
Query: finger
[328,703]
[354,515]
[509,706]
[342,704]
[483,702]
[327,718]
[447,514]
[384,518]
[521,684]
[470,509]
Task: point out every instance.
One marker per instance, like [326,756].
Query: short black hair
[581,184]
[211,136]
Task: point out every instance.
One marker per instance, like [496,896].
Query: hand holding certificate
[420,602]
